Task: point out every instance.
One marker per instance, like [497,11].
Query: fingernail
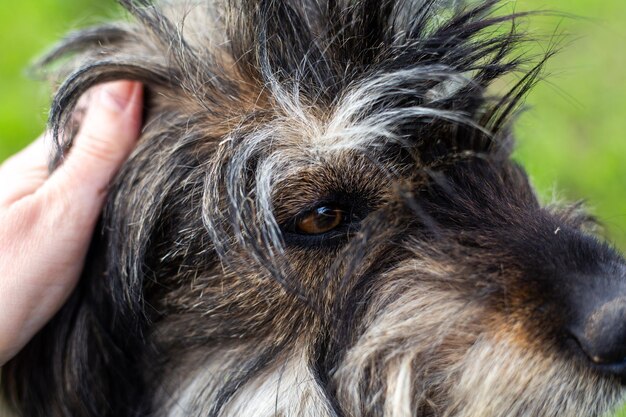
[117,95]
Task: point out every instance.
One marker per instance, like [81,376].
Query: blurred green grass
[571,139]
[27,29]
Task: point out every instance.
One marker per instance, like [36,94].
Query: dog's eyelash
[322,219]
[349,223]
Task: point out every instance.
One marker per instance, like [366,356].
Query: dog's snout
[601,335]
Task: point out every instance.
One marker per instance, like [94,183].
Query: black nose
[601,335]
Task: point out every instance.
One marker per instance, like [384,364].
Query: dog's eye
[326,223]
[320,220]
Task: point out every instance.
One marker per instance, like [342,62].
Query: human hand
[47,220]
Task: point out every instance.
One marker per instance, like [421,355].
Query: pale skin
[47,220]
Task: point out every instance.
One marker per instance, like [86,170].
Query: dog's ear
[85,362]
[153,50]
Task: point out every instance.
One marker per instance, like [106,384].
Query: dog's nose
[601,335]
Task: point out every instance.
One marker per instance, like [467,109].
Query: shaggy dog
[322,219]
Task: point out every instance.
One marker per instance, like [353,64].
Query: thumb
[107,135]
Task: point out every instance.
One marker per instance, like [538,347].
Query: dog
[322,219]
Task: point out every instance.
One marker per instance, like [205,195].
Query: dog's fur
[447,291]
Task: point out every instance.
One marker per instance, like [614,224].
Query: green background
[571,139]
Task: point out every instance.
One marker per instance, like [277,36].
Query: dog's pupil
[320,220]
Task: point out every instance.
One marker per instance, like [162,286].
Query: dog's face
[323,219]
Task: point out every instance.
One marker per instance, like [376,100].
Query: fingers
[110,127]
[25,172]
[108,134]
[44,236]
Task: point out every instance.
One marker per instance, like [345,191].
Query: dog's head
[322,219]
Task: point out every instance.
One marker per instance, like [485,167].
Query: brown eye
[320,220]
